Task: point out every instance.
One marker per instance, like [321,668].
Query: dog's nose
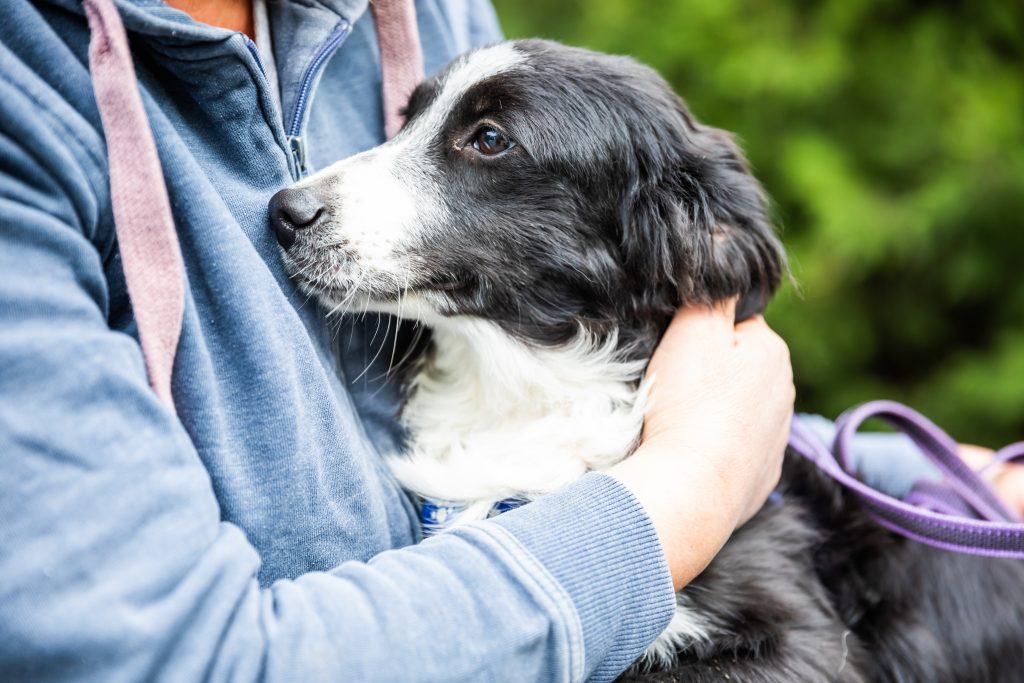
[291,210]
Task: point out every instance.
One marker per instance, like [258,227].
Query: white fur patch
[492,418]
[687,628]
[476,67]
[379,199]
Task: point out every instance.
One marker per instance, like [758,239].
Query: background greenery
[891,138]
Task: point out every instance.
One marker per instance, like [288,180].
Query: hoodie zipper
[297,151]
[255,51]
[296,144]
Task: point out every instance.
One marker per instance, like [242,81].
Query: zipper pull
[298,149]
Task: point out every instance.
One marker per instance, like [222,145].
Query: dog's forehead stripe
[477,67]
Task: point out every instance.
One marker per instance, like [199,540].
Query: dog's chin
[346,296]
[424,304]
[329,293]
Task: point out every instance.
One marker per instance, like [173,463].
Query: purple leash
[961,513]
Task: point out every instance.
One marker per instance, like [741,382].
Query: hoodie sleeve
[115,563]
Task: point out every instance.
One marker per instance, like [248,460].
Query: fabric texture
[401,60]
[255,534]
[142,215]
[265,45]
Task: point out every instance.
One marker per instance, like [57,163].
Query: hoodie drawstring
[153,268]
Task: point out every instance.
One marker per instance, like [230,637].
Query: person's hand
[715,432]
[724,392]
[1007,479]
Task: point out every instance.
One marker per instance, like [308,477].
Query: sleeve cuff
[595,539]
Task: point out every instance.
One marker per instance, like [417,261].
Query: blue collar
[436,515]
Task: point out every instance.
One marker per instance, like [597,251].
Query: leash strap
[150,255]
[437,515]
[962,513]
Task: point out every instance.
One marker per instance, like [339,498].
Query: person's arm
[115,564]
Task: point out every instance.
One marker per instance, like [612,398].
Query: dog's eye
[491,142]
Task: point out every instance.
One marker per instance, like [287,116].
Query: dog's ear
[696,221]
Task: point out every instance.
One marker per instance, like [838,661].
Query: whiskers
[350,291]
[342,306]
[402,295]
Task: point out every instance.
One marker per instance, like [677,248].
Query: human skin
[1006,478]
[234,15]
[720,419]
[722,400]
[725,448]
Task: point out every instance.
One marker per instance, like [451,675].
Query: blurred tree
[891,138]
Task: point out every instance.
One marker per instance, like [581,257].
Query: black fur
[614,207]
[814,577]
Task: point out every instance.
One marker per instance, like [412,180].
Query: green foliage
[891,138]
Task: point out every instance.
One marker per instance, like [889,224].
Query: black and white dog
[544,212]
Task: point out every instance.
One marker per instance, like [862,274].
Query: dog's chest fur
[491,418]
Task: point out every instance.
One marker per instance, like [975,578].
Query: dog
[544,212]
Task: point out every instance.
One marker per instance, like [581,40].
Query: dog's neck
[492,417]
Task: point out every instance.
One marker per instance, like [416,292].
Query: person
[252,531]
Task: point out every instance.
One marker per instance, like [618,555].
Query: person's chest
[263,380]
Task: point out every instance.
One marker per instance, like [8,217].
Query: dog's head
[545,188]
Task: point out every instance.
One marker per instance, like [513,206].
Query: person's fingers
[720,316]
[756,331]
[976,457]
[727,309]
[752,319]
[755,324]
[1006,478]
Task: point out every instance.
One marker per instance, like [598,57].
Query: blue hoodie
[255,535]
